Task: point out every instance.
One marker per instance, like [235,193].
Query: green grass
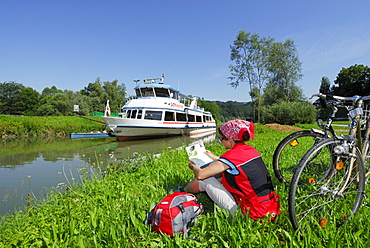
[109,211]
[11,126]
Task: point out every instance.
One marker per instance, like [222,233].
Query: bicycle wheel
[291,150]
[327,187]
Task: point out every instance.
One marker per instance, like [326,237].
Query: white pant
[217,192]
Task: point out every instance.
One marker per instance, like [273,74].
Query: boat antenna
[136,81]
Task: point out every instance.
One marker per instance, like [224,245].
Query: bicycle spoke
[290,151]
[326,190]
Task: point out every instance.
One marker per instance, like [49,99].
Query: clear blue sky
[70,43]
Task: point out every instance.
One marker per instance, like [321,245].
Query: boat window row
[167,116]
[157,92]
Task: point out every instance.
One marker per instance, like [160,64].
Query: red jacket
[249,182]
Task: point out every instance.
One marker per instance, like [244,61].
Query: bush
[289,113]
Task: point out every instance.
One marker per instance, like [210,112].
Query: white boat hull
[127,129]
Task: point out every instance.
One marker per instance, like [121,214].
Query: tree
[352,81]
[263,62]
[249,53]
[101,92]
[93,89]
[285,70]
[28,101]
[15,99]
[325,86]
[50,91]
[115,93]
[273,93]
[8,99]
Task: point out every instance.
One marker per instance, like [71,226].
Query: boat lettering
[177,105]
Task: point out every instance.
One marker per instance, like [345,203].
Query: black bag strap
[185,223]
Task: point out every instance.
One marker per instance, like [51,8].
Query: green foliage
[16,99]
[289,113]
[234,110]
[284,66]
[100,92]
[325,85]
[274,93]
[352,81]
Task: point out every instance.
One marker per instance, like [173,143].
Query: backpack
[175,213]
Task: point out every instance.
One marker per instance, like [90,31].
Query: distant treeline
[234,110]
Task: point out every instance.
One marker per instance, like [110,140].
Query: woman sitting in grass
[245,179]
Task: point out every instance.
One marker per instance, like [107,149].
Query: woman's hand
[211,155]
[191,165]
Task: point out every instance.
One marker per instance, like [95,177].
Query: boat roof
[156,85]
[159,85]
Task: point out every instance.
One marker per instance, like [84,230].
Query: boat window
[169,116]
[133,114]
[128,114]
[199,118]
[147,92]
[161,92]
[174,94]
[191,118]
[207,118]
[123,114]
[139,114]
[153,115]
[138,93]
[180,117]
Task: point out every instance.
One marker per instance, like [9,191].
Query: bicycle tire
[319,194]
[290,151]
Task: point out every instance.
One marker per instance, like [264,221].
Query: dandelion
[29,178]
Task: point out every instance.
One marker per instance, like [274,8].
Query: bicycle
[291,149]
[328,184]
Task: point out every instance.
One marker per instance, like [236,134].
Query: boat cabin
[150,88]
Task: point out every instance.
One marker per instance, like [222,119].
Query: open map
[196,154]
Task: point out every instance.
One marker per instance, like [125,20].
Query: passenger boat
[159,110]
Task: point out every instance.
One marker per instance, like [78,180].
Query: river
[30,167]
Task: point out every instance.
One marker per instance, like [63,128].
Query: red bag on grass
[175,213]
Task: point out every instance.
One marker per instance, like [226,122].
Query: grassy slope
[46,125]
[109,212]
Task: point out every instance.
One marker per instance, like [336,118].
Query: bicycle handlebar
[341,98]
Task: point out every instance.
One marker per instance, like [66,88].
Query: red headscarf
[235,129]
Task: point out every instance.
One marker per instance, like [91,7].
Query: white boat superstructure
[159,110]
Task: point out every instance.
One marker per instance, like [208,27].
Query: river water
[29,168]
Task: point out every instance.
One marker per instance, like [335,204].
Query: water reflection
[36,165]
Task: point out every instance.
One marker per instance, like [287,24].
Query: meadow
[32,126]
[109,210]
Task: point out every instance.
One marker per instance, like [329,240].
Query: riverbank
[109,211]
[44,126]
